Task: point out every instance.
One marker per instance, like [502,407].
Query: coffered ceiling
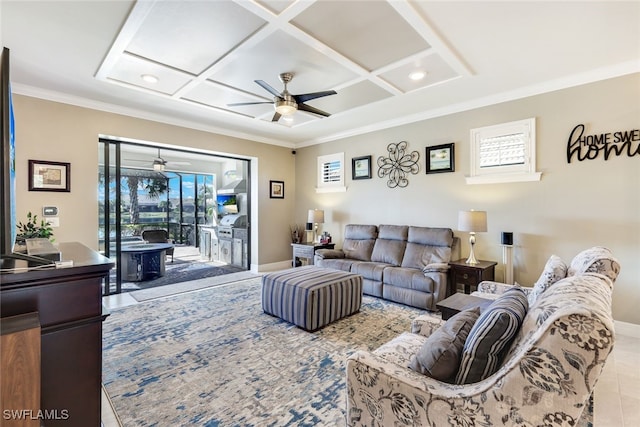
[208,54]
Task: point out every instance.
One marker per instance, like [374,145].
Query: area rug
[213,358]
[190,286]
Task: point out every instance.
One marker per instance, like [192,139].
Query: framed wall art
[441,158]
[361,167]
[49,176]
[276,189]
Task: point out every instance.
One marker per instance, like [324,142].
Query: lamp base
[472,258]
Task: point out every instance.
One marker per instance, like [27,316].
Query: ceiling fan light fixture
[286,108]
[158,166]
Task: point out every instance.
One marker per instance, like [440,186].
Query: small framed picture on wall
[276,189]
[49,176]
[441,158]
[361,167]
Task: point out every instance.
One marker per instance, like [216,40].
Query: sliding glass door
[186,194]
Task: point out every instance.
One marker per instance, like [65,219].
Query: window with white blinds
[331,172]
[503,150]
[504,153]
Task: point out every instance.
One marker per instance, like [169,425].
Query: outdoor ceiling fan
[159,163]
[285,103]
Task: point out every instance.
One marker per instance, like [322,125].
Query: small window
[504,153]
[331,173]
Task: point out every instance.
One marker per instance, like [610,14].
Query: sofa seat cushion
[491,336]
[401,349]
[369,270]
[409,278]
[439,356]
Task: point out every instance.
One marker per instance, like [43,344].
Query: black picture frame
[276,189]
[441,158]
[49,176]
[361,167]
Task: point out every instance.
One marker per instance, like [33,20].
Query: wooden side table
[307,251]
[469,275]
[459,302]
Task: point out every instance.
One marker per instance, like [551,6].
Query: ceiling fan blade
[310,109]
[237,104]
[309,96]
[276,117]
[268,88]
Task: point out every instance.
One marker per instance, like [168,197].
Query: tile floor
[617,394]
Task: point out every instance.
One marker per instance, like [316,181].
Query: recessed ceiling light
[417,75]
[149,78]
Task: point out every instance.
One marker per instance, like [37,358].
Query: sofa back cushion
[554,270]
[390,244]
[427,245]
[358,241]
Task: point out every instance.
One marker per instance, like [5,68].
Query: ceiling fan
[286,103]
[159,163]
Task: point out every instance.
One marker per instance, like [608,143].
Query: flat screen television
[8,221]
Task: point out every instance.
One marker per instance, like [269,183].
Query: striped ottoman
[311,297]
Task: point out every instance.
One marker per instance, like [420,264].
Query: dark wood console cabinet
[69,305]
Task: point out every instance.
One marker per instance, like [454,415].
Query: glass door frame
[108,144]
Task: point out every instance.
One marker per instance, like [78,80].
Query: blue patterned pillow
[491,335]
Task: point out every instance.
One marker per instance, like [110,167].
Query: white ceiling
[207,54]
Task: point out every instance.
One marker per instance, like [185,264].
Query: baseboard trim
[280,265]
[627,329]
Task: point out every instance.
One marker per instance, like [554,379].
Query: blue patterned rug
[213,358]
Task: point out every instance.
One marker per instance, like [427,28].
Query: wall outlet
[54,221]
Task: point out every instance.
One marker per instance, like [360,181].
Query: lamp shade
[475,221]
[316,216]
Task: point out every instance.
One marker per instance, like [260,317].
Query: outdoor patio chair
[158,236]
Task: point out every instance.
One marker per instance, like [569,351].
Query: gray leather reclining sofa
[400,263]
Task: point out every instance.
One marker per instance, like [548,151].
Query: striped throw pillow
[491,335]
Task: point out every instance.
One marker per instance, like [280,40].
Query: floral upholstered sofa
[401,263]
[545,375]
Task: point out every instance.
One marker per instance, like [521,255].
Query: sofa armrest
[489,287]
[439,267]
[329,253]
[425,324]
[380,392]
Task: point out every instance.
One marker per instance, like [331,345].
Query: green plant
[32,229]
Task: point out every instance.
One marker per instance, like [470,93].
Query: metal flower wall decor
[398,165]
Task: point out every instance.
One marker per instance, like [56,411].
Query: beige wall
[59,132]
[573,207]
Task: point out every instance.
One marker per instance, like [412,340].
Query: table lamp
[473,222]
[316,216]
